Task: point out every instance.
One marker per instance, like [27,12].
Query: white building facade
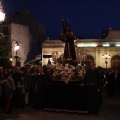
[93,48]
[21,35]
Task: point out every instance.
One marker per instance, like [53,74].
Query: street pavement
[110,110]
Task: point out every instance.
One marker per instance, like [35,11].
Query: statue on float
[69,69]
[68,37]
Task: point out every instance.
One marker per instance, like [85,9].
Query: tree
[2,37]
[5,49]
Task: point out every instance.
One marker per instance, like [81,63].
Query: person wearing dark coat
[28,79]
[21,89]
[117,81]
[33,89]
[9,87]
[93,82]
[110,83]
[40,89]
[2,77]
[16,95]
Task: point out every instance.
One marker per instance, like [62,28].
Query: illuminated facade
[20,33]
[21,27]
[93,48]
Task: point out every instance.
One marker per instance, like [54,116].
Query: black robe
[93,81]
[69,50]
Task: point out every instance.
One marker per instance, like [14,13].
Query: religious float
[69,66]
[64,92]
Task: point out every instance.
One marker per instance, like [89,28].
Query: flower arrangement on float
[68,72]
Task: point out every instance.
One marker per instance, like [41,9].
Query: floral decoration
[67,72]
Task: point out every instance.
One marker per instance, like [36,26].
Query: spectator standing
[1,86]
[33,89]
[117,81]
[21,90]
[110,82]
[93,81]
[28,79]
[9,87]
[17,78]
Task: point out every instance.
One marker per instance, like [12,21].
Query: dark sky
[87,18]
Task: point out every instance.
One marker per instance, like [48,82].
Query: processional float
[69,69]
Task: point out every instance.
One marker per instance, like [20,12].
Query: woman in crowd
[9,87]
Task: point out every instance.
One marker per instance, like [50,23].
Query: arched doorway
[115,61]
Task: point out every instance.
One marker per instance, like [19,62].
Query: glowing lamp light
[106,45]
[87,45]
[117,45]
[11,59]
[106,57]
[16,46]
[2,16]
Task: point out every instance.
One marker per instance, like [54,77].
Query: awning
[32,61]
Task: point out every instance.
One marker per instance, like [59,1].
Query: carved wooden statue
[68,37]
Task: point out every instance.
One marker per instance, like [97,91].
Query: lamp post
[16,48]
[106,57]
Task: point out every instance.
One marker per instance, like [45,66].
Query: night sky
[87,18]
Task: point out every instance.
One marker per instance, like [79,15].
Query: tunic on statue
[68,37]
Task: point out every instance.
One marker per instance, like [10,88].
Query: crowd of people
[22,86]
[98,80]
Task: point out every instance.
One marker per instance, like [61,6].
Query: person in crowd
[33,89]
[48,74]
[40,89]
[17,78]
[110,82]
[117,81]
[1,73]
[3,77]
[6,71]
[104,79]
[9,87]
[1,86]
[92,80]
[28,79]
[21,90]
[13,69]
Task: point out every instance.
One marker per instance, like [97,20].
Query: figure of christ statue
[68,37]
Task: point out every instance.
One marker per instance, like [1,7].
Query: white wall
[21,34]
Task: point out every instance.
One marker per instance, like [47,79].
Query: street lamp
[106,57]
[2,18]
[2,15]
[16,48]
